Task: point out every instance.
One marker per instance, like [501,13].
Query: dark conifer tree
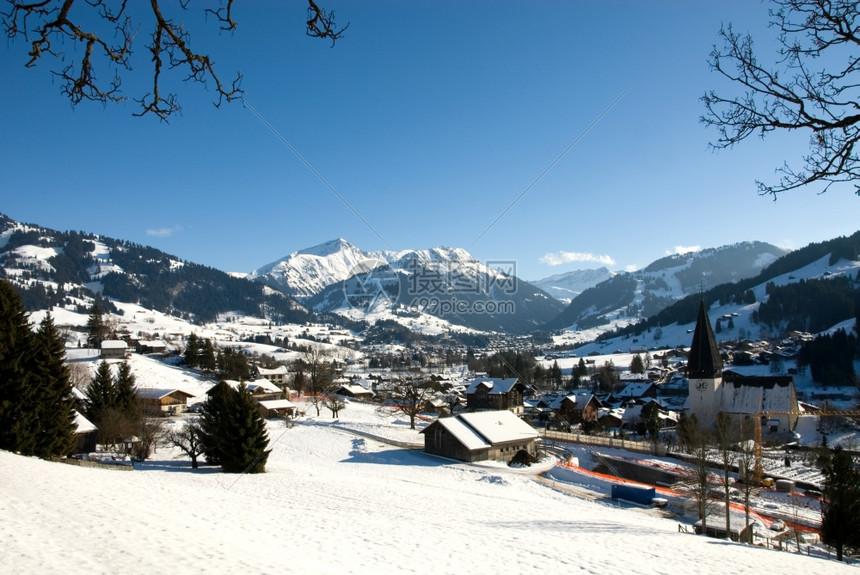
[126,393]
[101,394]
[246,439]
[17,424]
[53,389]
[217,407]
[192,351]
[233,432]
[96,328]
[840,507]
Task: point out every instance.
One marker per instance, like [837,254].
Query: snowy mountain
[629,297]
[307,272]
[443,283]
[74,270]
[564,287]
[779,299]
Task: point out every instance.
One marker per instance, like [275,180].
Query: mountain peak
[327,248]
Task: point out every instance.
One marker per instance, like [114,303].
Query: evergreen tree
[637,365]
[55,406]
[217,408]
[208,361]
[840,507]
[126,392]
[96,328]
[17,423]
[100,394]
[192,351]
[233,432]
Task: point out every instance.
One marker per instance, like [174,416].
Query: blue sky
[430,119]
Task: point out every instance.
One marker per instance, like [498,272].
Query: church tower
[704,371]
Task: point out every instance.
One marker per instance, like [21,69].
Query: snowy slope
[565,287]
[335,502]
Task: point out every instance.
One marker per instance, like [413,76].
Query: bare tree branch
[47,24]
[321,23]
[803,94]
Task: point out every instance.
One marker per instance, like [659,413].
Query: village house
[280,408]
[495,394]
[145,346]
[163,401]
[113,349]
[480,436]
[260,389]
[355,391]
[86,434]
[277,375]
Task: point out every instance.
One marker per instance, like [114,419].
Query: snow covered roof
[83,424]
[499,426]
[635,389]
[114,344]
[261,385]
[483,429]
[280,370]
[278,404]
[158,393]
[493,385]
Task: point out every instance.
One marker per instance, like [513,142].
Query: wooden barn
[480,436]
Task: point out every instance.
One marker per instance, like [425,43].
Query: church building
[771,399]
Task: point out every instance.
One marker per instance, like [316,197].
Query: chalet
[164,401]
[480,436]
[260,389]
[270,408]
[277,375]
[145,346]
[113,349]
[354,391]
[573,408]
[496,394]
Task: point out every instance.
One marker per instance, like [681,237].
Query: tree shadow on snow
[412,456]
[174,466]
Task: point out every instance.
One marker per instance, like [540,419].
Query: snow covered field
[336,502]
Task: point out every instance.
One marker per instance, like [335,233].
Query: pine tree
[96,328]
[840,508]
[192,351]
[53,389]
[245,451]
[126,392]
[637,365]
[216,408]
[233,432]
[101,394]
[17,423]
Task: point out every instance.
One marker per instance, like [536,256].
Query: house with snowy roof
[163,401]
[355,391]
[277,375]
[480,436]
[487,393]
[113,349]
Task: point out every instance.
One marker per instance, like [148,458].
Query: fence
[599,441]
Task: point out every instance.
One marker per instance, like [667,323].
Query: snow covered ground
[333,501]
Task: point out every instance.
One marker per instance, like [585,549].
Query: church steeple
[704,361]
